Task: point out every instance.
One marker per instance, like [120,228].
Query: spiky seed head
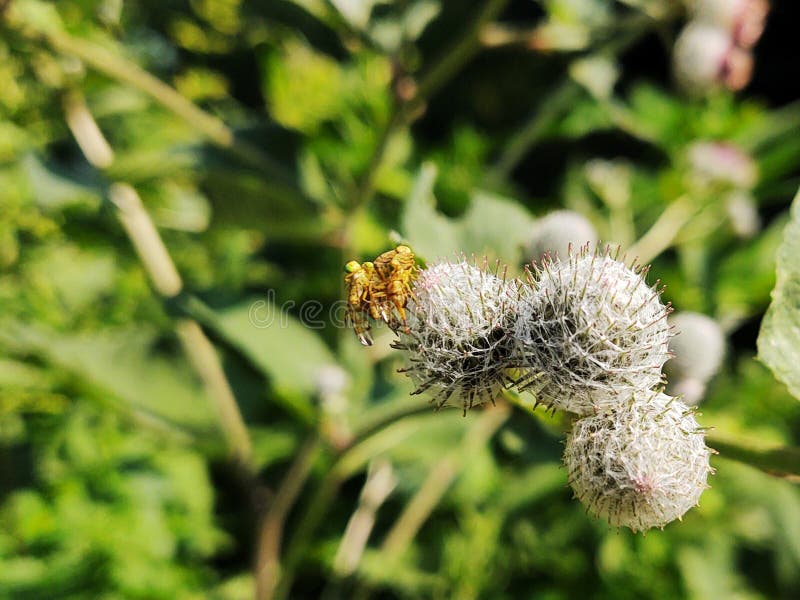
[641,465]
[457,341]
[743,19]
[706,58]
[559,231]
[588,331]
[698,347]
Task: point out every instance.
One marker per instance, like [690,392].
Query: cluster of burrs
[586,335]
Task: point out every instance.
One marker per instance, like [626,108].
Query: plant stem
[666,228]
[456,56]
[121,69]
[350,461]
[439,480]
[163,274]
[432,79]
[781,462]
[550,109]
[267,566]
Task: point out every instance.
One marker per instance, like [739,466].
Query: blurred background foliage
[291,136]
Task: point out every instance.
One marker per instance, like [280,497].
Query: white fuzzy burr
[706,58]
[559,231]
[458,339]
[641,465]
[588,331]
[743,19]
[698,347]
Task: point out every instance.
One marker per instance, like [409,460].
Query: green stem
[355,457]
[456,56]
[666,228]
[121,69]
[781,462]
[439,480]
[267,567]
[549,110]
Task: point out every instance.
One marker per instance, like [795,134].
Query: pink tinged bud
[641,465]
[743,214]
[706,58]
[719,162]
[587,332]
[743,19]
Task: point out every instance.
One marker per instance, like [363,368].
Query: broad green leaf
[779,338]
[431,234]
[496,227]
[303,87]
[54,190]
[286,350]
[123,363]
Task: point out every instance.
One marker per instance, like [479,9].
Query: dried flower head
[559,231]
[588,331]
[458,339]
[706,58]
[641,465]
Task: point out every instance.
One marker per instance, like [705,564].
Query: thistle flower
[457,339]
[743,19]
[698,348]
[641,465]
[558,231]
[588,331]
[706,58]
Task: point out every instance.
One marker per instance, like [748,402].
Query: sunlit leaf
[779,339]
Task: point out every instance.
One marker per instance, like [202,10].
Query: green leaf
[53,190]
[431,234]
[283,348]
[779,338]
[492,225]
[123,362]
[496,227]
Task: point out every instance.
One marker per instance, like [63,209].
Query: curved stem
[267,567]
[163,274]
[121,69]
[781,462]
[666,228]
[440,478]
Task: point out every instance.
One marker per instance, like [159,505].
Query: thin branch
[549,110]
[267,567]
[781,462]
[121,69]
[666,228]
[163,274]
[439,480]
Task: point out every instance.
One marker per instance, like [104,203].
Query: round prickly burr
[743,19]
[698,348]
[559,231]
[457,340]
[641,465]
[588,331]
[706,58]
